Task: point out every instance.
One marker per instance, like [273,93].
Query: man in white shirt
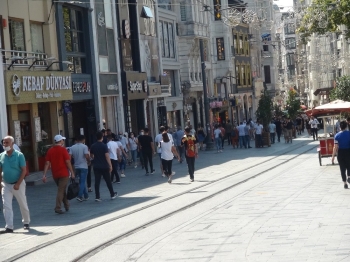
[258,134]
[272,129]
[241,134]
[314,127]
[114,155]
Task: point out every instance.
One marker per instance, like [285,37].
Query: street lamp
[58,62]
[41,60]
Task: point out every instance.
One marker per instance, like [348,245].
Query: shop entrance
[137,115]
[26,135]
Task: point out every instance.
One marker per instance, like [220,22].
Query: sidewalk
[136,191]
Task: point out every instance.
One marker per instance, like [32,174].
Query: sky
[284,3]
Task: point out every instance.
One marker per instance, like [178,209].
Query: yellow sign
[26,87]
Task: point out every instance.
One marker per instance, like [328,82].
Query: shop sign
[138,87]
[37,86]
[81,87]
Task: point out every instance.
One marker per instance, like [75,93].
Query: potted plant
[42,150]
[28,155]
[264,115]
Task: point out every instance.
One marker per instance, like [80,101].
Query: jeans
[89,177]
[102,172]
[229,142]
[122,164]
[314,133]
[82,173]
[8,193]
[259,142]
[180,150]
[242,142]
[61,183]
[167,165]
[218,143]
[115,165]
[247,140]
[272,138]
[344,163]
[190,165]
[148,157]
[279,132]
[134,156]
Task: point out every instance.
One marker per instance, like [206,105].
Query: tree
[278,111]
[293,103]
[265,108]
[324,16]
[342,90]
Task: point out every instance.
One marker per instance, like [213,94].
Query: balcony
[24,59]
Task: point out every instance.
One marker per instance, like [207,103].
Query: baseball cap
[58,138]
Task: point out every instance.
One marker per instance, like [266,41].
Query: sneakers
[80,199]
[89,190]
[349,179]
[163,175]
[169,179]
[153,172]
[114,196]
[59,212]
[7,230]
[122,175]
[86,198]
[173,174]
[98,199]
[147,174]
[135,166]
[192,180]
[26,226]
[346,186]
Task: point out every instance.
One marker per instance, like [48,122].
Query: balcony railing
[24,58]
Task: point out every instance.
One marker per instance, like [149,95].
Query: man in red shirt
[59,159]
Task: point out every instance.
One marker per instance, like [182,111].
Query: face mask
[7,148]
[141,133]
[132,136]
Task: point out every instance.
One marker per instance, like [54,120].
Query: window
[74,39]
[235,43]
[289,29]
[108,13]
[291,72]
[217,10]
[243,75]
[265,48]
[249,75]
[36,37]
[17,35]
[290,59]
[241,45]
[246,45]
[166,36]
[165,4]
[220,47]
[238,79]
[104,66]
[183,11]
[290,43]
[267,74]
[339,72]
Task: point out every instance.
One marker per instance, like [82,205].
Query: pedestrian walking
[234,137]
[58,158]
[80,154]
[115,156]
[342,150]
[102,166]
[298,121]
[200,135]
[12,184]
[308,126]
[157,140]
[191,151]
[133,148]
[123,141]
[247,135]
[241,134]
[178,135]
[217,137]
[314,127]
[289,130]
[278,125]
[141,133]
[228,132]
[272,129]
[223,135]
[258,134]
[168,151]
[147,148]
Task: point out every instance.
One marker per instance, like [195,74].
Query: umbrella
[333,108]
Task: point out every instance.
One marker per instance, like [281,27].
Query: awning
[319,90]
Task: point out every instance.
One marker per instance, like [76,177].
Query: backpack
[190,148]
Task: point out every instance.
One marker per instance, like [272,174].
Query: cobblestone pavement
[289,214]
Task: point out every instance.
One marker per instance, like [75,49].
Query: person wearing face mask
[12,184]
[59,159]
[133,148]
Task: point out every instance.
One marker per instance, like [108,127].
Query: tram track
[100,247]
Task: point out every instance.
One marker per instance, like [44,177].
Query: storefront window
[45,121]
[17,35]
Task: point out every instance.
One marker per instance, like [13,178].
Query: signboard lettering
[81,87]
